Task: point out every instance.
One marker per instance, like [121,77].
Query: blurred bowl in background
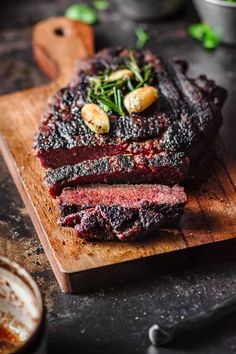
[22,325]
[221,16]
[148,9]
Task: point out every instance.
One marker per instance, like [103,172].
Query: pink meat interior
[125,195]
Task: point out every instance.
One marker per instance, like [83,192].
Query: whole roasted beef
[154,146]
[126,212]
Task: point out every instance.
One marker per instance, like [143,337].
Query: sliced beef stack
[120,211]
[154,146]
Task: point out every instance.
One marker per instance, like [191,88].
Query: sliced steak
[126,212]
[67,140]
[167,168]
[186,115]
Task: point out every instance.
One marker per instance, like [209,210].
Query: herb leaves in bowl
[202,32]
[220,15]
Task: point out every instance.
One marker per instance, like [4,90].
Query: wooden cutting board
[210,213]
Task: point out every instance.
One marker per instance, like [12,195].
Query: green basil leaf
[198,31]
[211,41]
[101,5]
[142,37]
[82,13]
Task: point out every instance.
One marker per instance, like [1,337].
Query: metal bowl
[148,9]
[221,16]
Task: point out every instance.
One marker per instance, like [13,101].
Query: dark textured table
[116,319]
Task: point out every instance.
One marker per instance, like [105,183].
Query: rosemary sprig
[106,102]
[118,99]
[143,75]
[146,76]
[133,66]
[130,85]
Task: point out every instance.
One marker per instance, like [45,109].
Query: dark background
[116,319]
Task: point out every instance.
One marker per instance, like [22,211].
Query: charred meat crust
[187,111]
[112,222]
[108,222]
[167,168]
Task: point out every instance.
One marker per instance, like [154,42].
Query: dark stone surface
[116,319]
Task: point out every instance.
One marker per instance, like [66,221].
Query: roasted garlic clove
[123,74]
[95,118]
[141,98]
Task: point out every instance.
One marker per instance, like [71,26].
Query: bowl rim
[221,3]
[20,272]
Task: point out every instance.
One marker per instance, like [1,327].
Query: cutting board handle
[58,42]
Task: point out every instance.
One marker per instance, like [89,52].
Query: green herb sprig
[101,5]
[109,94]
[143,75]
[105,101]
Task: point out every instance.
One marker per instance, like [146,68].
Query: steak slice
[126,212]
[66,141]
[186,115]
[167,168]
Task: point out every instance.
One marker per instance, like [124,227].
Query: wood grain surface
[210,213]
